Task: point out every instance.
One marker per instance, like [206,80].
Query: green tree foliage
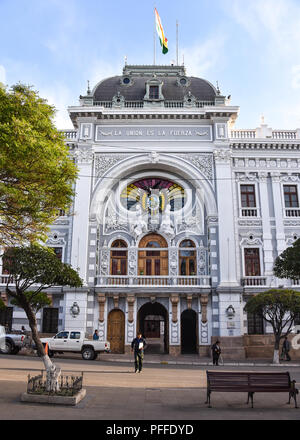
[33,269]
[287,265]
[278,307]
[36,172]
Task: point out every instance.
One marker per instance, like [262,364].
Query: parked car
[75,342]
[11,343]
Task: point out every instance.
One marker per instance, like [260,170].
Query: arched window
[187,258]
[118,258]
[153,262]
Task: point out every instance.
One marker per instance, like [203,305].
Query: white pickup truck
[74,341]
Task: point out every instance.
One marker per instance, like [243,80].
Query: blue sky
[251,47]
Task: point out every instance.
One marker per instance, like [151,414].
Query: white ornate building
[178,217]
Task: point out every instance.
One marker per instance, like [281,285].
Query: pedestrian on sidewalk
[216,351]
[96,336]
[286,346]
[137,346]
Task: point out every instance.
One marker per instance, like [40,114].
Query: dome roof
[175,86]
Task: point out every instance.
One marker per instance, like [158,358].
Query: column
[265,216]
[79,254]
[278,209]
[227,254]
[130,329]
[174,326]
[101,326]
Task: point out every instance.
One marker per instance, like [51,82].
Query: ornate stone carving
[4,298]
[201,261]
[166,226]
[130,302]
[104,262]
[204,302]
[84,155]
[174,301]
[189,299]
[103,162]
[116,301]
[101,301]
[222,155]
[204,162]
[204,333]
[50,297]
[132,262]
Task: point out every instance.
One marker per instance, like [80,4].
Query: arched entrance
[153,323]
[116,331]
[188,332]
[153,262]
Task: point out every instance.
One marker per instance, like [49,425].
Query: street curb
[226,364]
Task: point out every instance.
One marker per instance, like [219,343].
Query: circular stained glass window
[126,80]
[183,81]
[153,195]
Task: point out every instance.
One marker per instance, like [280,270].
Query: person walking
[216,351]
[96,336]
[137,346]
[286,346]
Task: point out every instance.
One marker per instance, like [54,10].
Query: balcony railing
[152,281]
[254,281]
[249,212]
[292,212]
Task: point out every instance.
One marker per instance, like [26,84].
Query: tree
[287,265]
[32,270]
[279,308]
[36,173]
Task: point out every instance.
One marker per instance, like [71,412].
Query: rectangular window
[50,320]
[75,335]
[291,196]
[255,324]
[252,263]
[248,196]
[153,92]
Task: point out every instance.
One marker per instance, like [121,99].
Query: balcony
[249,212]
[153,281]
[254,281]
[292,212]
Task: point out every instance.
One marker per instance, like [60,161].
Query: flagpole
[154,40]
[177,60]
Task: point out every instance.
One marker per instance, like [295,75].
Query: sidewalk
[187,359]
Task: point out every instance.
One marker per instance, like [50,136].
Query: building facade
[178,216]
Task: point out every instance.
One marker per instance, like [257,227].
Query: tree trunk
[52,371]
[276,350]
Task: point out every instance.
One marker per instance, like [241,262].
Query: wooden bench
[250,382]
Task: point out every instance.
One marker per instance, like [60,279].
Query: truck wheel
[15,350]
[88,354]
[8,348]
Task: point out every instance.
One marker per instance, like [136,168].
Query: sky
[250,47]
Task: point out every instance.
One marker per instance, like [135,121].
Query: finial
[218,90]
[88,89]
[125,59]
[262,119]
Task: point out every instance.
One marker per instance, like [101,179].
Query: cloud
[203,57]
[2,75]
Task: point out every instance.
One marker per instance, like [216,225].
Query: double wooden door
[153,259]
[116,331]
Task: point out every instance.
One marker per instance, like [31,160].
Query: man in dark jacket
[216,351]
[137,346]
[286,348]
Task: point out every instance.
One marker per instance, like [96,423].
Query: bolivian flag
[160,31]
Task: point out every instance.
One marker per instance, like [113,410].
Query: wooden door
[153,262]
[116,331]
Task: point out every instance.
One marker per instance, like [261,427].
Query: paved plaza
[160,392]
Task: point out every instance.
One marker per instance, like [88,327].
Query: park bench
[250,382]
